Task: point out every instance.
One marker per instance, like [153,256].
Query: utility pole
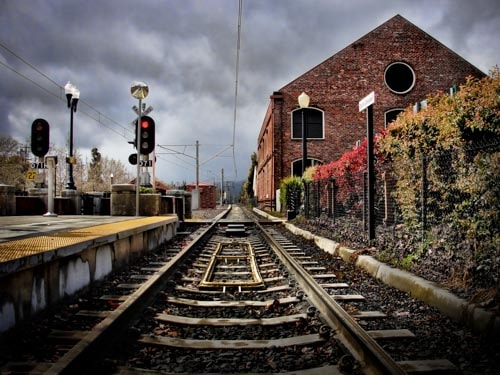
[222,189]
[198,173]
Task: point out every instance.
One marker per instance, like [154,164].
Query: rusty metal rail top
[16,249]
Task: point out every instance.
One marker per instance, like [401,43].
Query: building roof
[383,30]
[200,184]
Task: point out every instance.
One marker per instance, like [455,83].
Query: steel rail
[374,359]
[248,257]
[74,359]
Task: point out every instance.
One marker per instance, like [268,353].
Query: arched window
[297,165]
[313,120]
[391,115]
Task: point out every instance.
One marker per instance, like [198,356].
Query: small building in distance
[398,61]
[208,194]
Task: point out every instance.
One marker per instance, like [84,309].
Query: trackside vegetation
[437,188]
[453,146]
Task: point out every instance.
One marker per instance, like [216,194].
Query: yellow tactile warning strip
[35,245]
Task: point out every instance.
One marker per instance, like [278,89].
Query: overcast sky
[185,50]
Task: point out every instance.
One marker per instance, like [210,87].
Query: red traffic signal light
[40,130]
[147,135]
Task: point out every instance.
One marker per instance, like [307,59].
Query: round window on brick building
[399,77]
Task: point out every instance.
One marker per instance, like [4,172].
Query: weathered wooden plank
[320,268]
[231,344]
[268,290]
[334,285]
[94,313]
[348,297]
[191,302]
[369,315]
[391,334]
[113,297]
[324,276]
[128,286]
[59,335]
[229,321]
[140,277]
[428,366]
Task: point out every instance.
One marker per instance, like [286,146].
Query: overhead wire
[29,79]
[60,95]
[240,10]
[98,116]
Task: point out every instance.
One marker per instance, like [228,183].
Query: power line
[60,95]
[172,151]
[29,80]
[99,117]
[29,64]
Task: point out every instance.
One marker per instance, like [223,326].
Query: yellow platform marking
[16,249]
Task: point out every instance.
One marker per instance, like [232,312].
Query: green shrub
[288,184]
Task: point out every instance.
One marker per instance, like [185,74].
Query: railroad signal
[40,137]
[132,159]
[146,135]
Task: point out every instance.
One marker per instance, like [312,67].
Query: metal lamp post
[139,90]
[303,104]
[72,94]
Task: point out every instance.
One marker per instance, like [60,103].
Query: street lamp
[72,94]
[139,90]
[303,104]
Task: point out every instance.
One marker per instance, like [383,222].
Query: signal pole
[139,90]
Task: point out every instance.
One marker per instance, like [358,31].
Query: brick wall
[338,84]
[208,195]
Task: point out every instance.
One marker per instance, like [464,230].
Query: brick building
[208,194]
[398,61]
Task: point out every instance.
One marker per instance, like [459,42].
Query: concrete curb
[473,316]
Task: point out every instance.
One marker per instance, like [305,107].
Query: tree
[100,170]
[248,188]
[79,169]
[455,140]
[117,169]
[14,163]
[448,135]
[95,177]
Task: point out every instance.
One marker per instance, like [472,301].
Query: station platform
[19,227]
[44,259]
[27,236]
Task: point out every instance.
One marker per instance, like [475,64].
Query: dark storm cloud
[186,51]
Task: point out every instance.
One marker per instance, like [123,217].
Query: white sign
[38,165]
[145,111]
[146,163]
[367,101]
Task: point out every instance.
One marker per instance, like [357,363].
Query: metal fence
[340,205]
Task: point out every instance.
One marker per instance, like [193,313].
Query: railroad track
[233,296]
